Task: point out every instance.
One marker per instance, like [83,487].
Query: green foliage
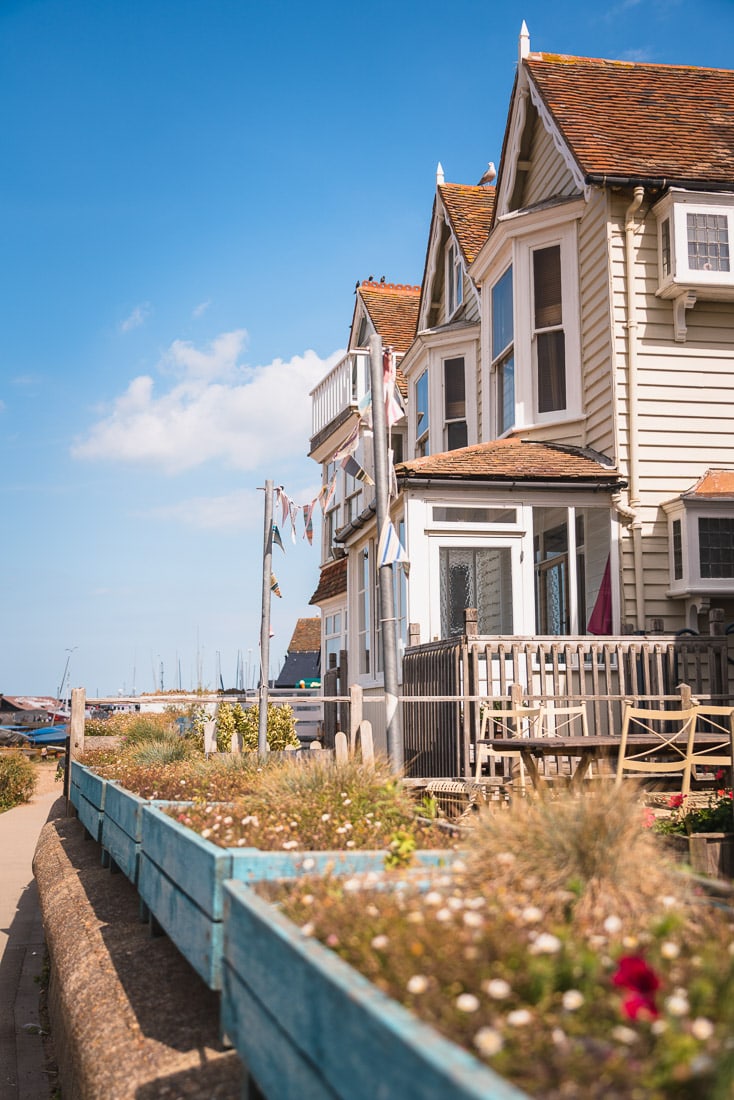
[234,719]
[716,817]
[161,750]
[17,780]
[400,850]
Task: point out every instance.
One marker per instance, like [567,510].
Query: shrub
[234,719]
[17,780]
[160,750]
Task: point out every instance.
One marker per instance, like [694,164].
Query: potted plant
[707,828]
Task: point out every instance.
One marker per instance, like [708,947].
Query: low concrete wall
[130,1018]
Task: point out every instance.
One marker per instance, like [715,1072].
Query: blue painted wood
[196,866]
[123,849]
[364,1043]
[278,1066]
[195,934]
[90,817]
[91,785]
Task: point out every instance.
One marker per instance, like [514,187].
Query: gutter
[513,483]
[632,403]
[657,183]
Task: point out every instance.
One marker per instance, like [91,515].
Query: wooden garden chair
[510,723]
[720,721]
[649,734]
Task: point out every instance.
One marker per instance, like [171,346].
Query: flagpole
[388,632]
[262,729]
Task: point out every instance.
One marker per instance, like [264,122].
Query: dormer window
[695,233]
[454,280]
[701,537]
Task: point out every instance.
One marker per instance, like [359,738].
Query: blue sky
[189,191]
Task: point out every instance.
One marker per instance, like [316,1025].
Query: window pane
[456,435]
[421,404]
[547,286]
[551,371]
[506,394]
[708,242]
[474,515]
[716,546]
[502,329]
[677,550]
[476,578]
[454,388]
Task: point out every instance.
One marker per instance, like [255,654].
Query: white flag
[389,549]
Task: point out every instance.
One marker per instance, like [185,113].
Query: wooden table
[585,750]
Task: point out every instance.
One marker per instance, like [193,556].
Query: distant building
[27,710]
[302,666]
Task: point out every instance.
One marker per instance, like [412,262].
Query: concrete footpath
[23,1073]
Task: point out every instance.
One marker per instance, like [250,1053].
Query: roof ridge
[612,61]
[388,286]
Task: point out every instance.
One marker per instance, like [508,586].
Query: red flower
[633,973]
[720,774]
[648,818]
[676,801]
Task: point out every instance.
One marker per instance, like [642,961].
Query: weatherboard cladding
[512,459]
[332,582]
[625,119]
[470,212]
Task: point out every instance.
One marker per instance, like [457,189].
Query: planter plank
[364,1044]
[90,816]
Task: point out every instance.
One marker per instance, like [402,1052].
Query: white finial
[439,174]
[523,45]
[489,176]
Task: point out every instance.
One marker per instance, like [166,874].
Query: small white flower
[488,1042]
[455,903]
[341,830]
[380,942]
[497,988]
[669,950]
[505,859]
[443,915]
[677,1003]
[433,898]
[289,845]
[474,903]
[668,901]
[545,944]
[531,914]
[624,1034]
[351,844]
[326,817]
[702,1029]
[701,1064]
[559,1037]
[612,925]
[521,1017]
[206,833]
[473,920]
[347,802]
[657,1027]
[417,984]
[414,916]
[307,929]
[228,820]
[467,1002]
[309,864]
[572,999]
[307,899]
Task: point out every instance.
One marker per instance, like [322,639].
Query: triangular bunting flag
[294,508]
[274,586]
[277,539]
[327,492]
[353,468]
[308,521]
[389,548]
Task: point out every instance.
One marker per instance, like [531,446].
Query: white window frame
[454,280]
[676,277]
[446,420]
[691,583]
[498,361]
[526,367]
[491,542]
[423,439]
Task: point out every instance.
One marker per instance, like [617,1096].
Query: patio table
[584,750]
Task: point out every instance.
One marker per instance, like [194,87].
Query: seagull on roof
[489,176]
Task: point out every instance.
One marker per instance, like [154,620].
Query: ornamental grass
[148,771]
[565,952]
[318,805]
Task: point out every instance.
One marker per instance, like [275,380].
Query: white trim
[559,141]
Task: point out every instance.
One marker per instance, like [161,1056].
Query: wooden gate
[432,731]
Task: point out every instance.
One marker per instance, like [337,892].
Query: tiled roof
[628,119]
[332,582]
[470,210]
[307,636]
[714,483]
[513,459]
[393,310]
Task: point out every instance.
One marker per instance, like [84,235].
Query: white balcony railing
[342,388]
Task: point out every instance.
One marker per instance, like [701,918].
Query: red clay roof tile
[470,211]
[636,120]
[393,310]
[512,459]
[306,636]
[332,582]
[714,483]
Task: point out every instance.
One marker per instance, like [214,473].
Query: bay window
[503,352]
[454,389]
[548,336]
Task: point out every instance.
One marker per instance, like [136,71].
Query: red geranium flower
[676,801]
[633,973]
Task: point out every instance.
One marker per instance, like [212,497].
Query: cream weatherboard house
[566,464]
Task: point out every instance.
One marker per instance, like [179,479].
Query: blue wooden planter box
[181,877]
[122,829]
[87,793]
[307,1025]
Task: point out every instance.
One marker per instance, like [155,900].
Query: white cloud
[230,512]
[246,416]
[200,310]
[138,317]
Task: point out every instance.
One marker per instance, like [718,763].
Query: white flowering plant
[580,967]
